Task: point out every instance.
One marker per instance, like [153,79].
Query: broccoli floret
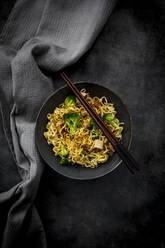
[110,119]
[63,161]
[72,120]
[93,125]
[95,138]
[63,151]
[94,129]
[71,99]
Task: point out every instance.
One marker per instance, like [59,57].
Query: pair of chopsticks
[126,157]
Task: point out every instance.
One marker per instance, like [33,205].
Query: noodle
[81,146]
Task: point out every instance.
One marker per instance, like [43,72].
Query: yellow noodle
[81,145]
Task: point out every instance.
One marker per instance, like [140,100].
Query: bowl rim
[55,92]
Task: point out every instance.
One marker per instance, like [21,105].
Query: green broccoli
[71,99]
[63,161]
[93,125]
[72,120]
[63,151]
[94,129]
[95,138]
[110,119]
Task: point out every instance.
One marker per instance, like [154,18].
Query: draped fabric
[39,38]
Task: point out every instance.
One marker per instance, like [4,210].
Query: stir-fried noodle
[76,137]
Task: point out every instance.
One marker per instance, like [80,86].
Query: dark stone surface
[118,210]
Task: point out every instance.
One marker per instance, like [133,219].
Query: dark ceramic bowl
[77,171]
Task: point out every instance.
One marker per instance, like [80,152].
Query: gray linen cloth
[41,35]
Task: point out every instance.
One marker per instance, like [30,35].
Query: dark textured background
[118,210]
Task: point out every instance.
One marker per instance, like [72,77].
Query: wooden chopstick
[127,158]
